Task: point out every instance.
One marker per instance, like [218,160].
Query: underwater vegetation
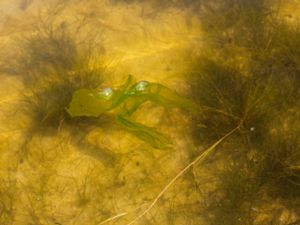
[52,65]
[89,138]
[57,184]
[249,72]
[124,101]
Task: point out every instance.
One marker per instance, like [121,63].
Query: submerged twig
[163,191]
[114,217]
[198,159]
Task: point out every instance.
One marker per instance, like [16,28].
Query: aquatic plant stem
[197,160]
[113,218]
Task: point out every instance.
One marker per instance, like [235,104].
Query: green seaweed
[124,101]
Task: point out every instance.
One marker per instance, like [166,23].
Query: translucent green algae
[124,101]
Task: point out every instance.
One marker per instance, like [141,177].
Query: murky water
[204,131]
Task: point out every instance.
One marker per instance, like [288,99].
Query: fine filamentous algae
[204,132]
